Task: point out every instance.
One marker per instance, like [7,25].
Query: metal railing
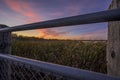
[44,70]
[19,68]
[104,16]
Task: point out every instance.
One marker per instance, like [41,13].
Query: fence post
[113,50]
[5,48]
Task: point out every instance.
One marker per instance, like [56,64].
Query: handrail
[72,73]
[103,16]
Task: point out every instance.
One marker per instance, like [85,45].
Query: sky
[19,12]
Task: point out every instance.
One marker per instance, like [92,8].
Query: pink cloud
[24,8]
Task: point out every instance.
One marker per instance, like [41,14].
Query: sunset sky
[19,12]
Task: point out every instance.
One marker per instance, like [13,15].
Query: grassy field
[84,55]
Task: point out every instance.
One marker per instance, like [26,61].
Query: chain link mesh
[4,75]
[12,70]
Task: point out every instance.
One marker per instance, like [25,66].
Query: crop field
[84,55]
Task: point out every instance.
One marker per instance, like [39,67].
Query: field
[84,55]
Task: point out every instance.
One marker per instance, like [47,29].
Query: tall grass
[83,55]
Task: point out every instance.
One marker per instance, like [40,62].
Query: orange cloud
[49,33]
[23,8]
[26,10]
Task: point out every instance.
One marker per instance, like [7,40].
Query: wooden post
[5,48]
[113,50]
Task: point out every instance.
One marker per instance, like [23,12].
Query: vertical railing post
[5,48]
[113,50]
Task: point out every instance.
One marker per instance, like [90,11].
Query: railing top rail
[103,16]
[70,72]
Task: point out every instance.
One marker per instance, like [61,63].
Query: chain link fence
[19,68]
[13,70]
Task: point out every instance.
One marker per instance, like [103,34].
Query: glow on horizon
[19,12]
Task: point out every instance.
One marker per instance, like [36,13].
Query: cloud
[53,34]
[27,13]
[25,9]
[97,35]
[50,33]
